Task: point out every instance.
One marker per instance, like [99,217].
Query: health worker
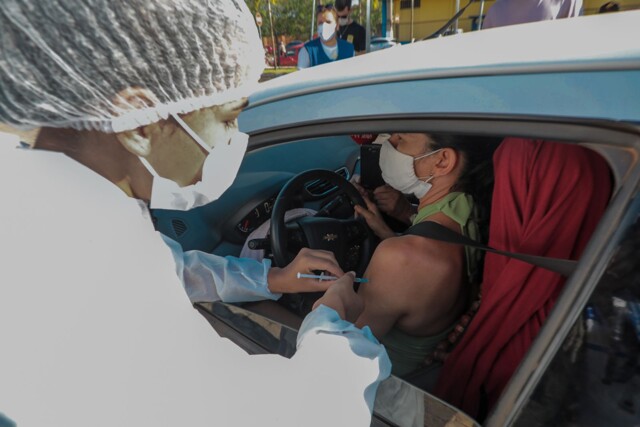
[328,46]
[136,101]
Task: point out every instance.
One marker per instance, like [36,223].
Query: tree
[359,13]
[291,18]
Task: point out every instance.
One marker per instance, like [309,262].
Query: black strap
[449,22]
[435,231]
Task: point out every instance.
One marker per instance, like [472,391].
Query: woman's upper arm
[303,58]
[383,303]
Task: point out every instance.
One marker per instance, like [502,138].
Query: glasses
[322,8]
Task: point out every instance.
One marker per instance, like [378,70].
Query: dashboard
[223,226]
[256,217]
[317,192]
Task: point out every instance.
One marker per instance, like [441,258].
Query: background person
[348,29]
[328,47]
[94,323]
[282,48]
[509,12]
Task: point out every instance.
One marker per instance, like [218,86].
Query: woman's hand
[355,181]
[393,203]
[374,219]
[343,299]
[388,200]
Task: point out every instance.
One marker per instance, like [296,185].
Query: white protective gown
[96,329]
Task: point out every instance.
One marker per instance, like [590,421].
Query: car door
[405,402]
[589,373]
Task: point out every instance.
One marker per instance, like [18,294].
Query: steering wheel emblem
[330,237]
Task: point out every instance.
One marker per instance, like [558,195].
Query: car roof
[598,42]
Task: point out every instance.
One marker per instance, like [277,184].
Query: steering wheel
[350,240]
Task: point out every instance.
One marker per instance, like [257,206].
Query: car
[532,81]
[379,43]
[290,58]
[268,55]
[293,43]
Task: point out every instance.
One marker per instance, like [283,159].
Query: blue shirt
[317,55]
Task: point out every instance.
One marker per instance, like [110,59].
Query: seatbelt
[435,231]
[449,22]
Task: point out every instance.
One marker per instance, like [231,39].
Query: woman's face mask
[398,171]
[327,30]
[218,173]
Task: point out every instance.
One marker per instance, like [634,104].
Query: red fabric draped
[548,198]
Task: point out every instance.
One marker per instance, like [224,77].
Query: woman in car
[418,288]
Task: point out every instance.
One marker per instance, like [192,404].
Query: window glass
[406,4]
[594,379]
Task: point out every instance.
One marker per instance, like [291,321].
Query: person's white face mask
[398,171]
[326,31]
[343,20]
[218,173]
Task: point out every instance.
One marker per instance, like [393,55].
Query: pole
[273,37]
[455,25]
[481,13]
[384,32]
[412,3]
[313,20]
[368,35]
[392,21]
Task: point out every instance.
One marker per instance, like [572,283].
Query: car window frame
[611,139]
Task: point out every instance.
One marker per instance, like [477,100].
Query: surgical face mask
[398,171]
[218,173]
[343,20]
[326,31]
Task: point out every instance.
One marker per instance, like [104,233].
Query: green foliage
[293,18]
[359,13]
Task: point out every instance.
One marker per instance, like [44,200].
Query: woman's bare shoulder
[410,253]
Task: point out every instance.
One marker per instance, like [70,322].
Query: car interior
[299,180]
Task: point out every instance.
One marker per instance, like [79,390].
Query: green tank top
[407,352]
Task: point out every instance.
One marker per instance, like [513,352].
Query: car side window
[594,379]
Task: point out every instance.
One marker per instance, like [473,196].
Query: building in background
[415,19]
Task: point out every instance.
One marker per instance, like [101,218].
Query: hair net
[64,62]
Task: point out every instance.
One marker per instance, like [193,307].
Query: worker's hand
[393,203]
[285,280]
[374,219]
[343,299]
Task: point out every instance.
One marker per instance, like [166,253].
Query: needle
[323,277]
